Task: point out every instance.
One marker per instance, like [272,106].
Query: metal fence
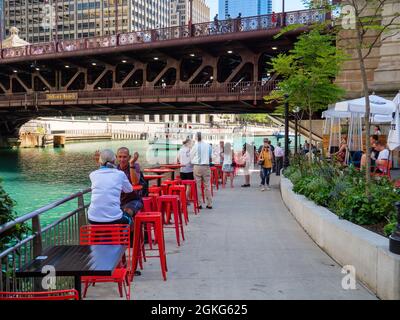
[64,231]
[220,27]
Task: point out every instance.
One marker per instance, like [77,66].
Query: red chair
[110,234]
[193,194]
[147,218]
[71,294]
[181,192]
[215,177]
[383,170]
[166,202]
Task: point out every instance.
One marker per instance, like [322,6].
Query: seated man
[374,152]
[131,202]
[382,162]
[107,184]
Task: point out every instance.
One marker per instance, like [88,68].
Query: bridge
[207,68]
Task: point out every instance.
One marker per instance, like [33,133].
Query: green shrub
[342,190]
[6,215]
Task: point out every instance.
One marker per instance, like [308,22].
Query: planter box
[347,243]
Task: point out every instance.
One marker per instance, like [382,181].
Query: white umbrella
[394,133]
[378,105]
[376,118]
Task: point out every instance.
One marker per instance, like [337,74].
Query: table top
[76,260]
[172,166]
[158,170]
[153,177]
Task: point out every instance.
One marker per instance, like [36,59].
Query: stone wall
[382,65]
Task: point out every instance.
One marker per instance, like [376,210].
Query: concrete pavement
[248,247]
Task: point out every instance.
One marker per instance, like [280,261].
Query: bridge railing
[233,88]
[63,231]
[219,27]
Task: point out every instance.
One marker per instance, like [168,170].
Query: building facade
[48,20]
[248,8]
[180,12]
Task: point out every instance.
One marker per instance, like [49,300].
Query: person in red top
[273,19]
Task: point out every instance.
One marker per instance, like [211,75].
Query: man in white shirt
[200,156]
[382,163]
[107,184]
[279,153]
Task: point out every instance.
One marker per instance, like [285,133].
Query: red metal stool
[154,218]
[193,194]
[181,192]
[164,203]
[155,189]
[214,177]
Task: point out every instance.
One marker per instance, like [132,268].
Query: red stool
[215,177]
[193,194]
[154,218]
[181,192]
[149,205]
[155,189]
[164,203]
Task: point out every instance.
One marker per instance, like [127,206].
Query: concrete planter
[347,243]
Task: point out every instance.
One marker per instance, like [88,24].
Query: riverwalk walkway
[248,247]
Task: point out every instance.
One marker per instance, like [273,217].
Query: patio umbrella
[378,105]
[394,133]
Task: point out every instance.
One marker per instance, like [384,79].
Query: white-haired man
[107,184]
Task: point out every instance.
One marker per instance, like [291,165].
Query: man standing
[200,156]
[279,153]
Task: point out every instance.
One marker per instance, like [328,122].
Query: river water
[35,177]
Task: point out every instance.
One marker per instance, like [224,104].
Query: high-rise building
[180,12]
[47,20]
[246,8]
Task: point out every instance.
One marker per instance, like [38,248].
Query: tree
[371,26]
[308,72]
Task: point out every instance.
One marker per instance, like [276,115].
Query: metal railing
[253,88]
[220,27]
[63,231]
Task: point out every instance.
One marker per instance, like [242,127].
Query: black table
[76,261]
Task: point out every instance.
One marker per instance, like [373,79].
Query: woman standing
[227,168]
[265,161]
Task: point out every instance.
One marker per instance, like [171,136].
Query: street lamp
[296,114]
[286,158]
[190,16]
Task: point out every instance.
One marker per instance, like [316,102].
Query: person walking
[183,158]
[279,153]
[200,156]
[265,161]
[247,160]
[227,167]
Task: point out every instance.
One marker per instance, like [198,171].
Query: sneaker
[268,188]
[262,189]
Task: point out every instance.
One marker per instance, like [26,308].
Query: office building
[246,8]
[180,12]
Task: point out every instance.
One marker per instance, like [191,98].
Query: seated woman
[107,184]
[340,156]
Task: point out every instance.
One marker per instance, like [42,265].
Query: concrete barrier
[347,243]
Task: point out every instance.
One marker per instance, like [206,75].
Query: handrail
[41,210]
[212,28]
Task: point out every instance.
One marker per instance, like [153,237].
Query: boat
[281,134]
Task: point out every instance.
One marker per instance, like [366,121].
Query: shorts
[134,205]
[187,175]
[125,219]
[227,168]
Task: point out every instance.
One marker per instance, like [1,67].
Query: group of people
[379,153]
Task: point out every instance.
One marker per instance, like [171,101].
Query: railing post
[37,242]
[81,214]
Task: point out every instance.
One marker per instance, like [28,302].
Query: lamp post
[283,14]
[190,16]
[286,158]
[296,113]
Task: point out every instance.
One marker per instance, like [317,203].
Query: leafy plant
[342,190]
[6,215]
